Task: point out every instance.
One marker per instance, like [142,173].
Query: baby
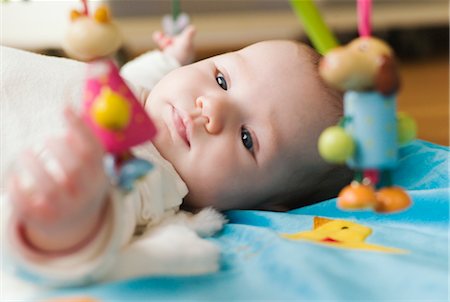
[235,131]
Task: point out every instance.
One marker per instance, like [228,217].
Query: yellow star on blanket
[340,233]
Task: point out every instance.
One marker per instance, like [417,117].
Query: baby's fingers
[62,161]
[70,164]
[76,124]
[35,176]
[18,195]
[162,40]
[32,189]
[188,34]
[81,138]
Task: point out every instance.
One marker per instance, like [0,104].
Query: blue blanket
[388,257]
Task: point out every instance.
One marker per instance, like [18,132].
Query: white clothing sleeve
[147,69]
[157,195]
[85,266]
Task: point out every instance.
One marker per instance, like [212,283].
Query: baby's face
[224,120]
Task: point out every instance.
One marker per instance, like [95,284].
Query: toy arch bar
[321,36]
[318,32]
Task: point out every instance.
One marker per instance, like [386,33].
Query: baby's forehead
[277,60]
[284,60]
[276,50]
[273,51]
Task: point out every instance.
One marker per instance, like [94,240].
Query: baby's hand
[181,47]
[58,197]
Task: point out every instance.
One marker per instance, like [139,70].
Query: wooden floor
[425,96]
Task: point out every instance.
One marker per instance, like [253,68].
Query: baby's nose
[214,110]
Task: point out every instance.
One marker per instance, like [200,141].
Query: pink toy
[112,111]
[364,17]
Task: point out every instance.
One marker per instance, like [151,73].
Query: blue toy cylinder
[370,118]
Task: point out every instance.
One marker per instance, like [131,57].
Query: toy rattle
[110,109]
[370,132]
[174,23]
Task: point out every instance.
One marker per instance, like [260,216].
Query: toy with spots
[110,109]
[370,132]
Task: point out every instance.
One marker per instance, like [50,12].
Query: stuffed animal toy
[370,132]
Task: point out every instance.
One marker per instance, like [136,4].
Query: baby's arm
[69,225]
[181,47]
[58,199]
[146,70]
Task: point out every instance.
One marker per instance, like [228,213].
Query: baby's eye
[220,79]
[247,139]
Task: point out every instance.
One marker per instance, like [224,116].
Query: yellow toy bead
[102,14]
[74,14]
[356,196]
[392,199]
[111,111]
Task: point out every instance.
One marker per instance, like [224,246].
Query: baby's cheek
[204,190]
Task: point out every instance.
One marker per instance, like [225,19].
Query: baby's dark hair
[334,96]
[297,190]
[286,185]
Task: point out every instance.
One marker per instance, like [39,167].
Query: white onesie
[132,241]
[154,197]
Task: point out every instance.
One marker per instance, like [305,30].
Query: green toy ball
[335,145]
[406,128]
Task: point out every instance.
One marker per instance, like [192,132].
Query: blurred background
[418,30]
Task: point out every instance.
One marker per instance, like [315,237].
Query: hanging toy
[110,109]
[370,132]
[315,27]
[91,37]
[174,23]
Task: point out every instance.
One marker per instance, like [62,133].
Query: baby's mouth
[181,126]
